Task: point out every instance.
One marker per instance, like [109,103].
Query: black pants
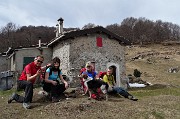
[28,88]
[95,84]
[55,90]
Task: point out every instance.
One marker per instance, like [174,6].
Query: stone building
[96,44]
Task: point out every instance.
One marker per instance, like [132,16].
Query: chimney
[60,23]
[39,42]
[57,30]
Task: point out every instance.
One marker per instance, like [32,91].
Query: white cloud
[77,13]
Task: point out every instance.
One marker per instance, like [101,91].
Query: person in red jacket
[26,81]
[81,79]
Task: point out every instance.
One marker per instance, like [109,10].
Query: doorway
[27,60]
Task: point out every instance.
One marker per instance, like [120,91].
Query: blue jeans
[121,91]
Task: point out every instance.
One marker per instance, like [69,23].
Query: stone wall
[85,49]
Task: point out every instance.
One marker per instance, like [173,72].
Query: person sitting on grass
[109,79]
[93,84]
[52,84]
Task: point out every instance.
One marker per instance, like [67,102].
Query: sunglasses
[40,61]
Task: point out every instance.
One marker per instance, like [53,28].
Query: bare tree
[89,25]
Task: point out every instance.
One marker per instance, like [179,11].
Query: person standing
[26,81]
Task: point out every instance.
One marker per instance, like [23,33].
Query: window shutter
[99,41]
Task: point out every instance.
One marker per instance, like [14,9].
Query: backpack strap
[50,73]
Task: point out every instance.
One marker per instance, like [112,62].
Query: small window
[27,60]
[99,41]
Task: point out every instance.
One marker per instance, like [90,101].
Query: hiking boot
[12,98]
[130,97]
[26,105]
[134,99]
[55,99]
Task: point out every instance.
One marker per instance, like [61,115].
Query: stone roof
[77,33]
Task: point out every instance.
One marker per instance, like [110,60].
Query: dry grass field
[157,59]
[160,101]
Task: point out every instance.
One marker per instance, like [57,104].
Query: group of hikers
[55,85]
[94,84]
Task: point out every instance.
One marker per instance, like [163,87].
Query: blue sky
[77,13]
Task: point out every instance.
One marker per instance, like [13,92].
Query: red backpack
[101,74]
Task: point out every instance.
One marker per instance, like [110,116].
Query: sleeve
[28,69]
[105,78]
[48,70]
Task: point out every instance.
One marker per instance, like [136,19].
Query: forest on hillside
[136,30]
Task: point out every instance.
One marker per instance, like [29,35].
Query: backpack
[101,74]
[82,70]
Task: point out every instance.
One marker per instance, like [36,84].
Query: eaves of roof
[98,29]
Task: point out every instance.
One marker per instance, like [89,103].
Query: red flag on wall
[99,41]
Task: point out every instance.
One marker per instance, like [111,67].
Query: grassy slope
[157,72]
[157,102]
